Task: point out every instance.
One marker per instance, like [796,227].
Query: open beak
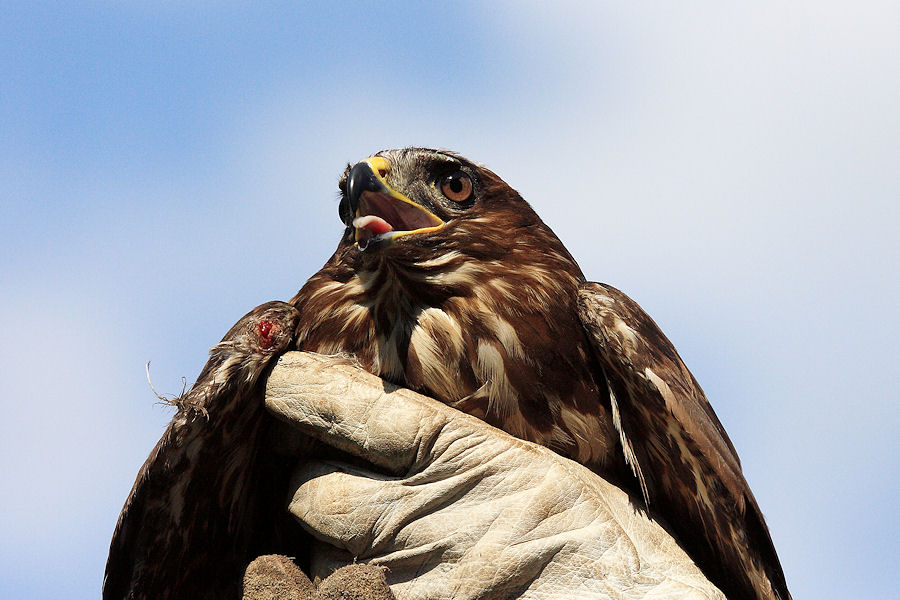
[382,215]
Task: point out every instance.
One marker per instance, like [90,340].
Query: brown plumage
[447,282]
[193,518]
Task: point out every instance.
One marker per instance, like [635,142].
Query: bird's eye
[457,187]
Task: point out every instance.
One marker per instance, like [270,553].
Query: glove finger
[355,411]
[347,507]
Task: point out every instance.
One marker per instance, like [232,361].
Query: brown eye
[457,187]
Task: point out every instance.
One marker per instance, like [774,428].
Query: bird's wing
[172,515]
[687,467]
[188,527]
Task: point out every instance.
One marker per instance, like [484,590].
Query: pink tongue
[375,225]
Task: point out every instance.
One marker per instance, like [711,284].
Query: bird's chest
[425,348]
[522,370]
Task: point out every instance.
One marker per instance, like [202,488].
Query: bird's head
[417,201]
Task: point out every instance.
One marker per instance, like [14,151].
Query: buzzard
[447,282]
[192,499]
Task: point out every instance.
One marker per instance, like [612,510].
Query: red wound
[266,330]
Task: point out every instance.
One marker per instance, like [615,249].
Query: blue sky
[166,166]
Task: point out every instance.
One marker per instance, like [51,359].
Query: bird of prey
[189,527]
[447,282]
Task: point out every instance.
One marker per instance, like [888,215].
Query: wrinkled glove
[455,508]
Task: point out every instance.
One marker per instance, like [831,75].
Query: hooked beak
[382,215]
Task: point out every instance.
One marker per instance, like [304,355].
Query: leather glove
[454,508]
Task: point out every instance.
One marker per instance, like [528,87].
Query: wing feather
[684,461]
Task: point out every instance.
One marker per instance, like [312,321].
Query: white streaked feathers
[627,448]
[490,369]
[433,325]
[584,428]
